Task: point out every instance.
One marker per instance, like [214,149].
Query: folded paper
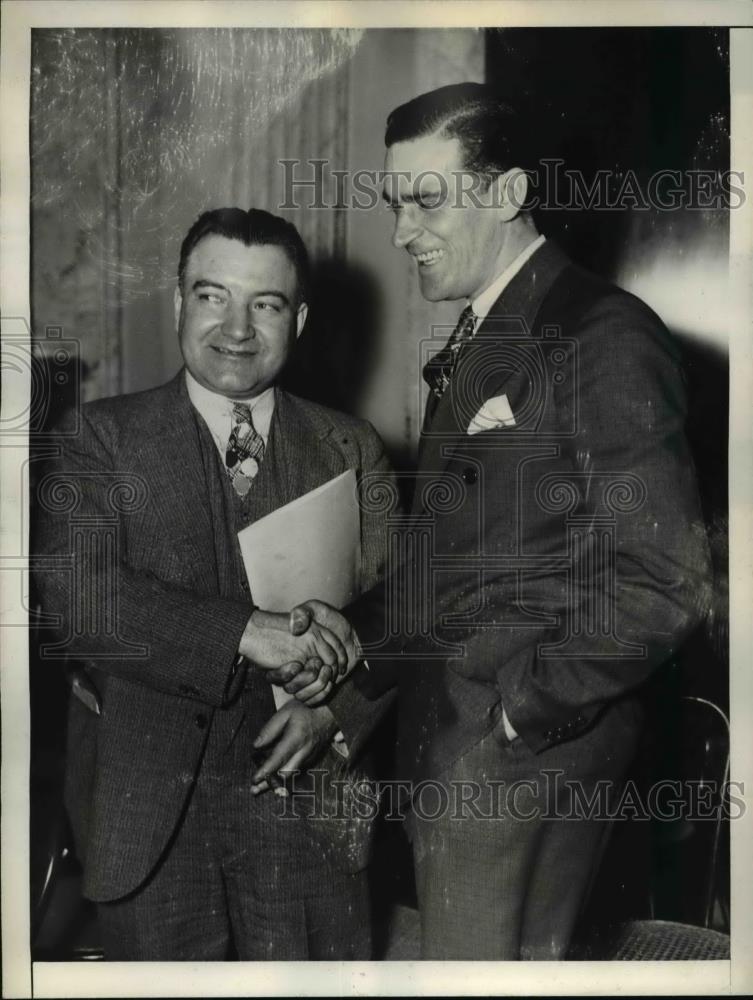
[308,548]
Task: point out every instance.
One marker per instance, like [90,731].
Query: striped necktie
[438,370]
[245,450]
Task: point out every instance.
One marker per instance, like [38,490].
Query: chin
[229,389]
[430,291]
[434,289]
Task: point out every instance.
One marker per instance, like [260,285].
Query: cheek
[196,344]
[192,338]
[278,341]
[194,324]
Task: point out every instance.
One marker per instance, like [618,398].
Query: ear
[177,306]
[300,318]
[513,188]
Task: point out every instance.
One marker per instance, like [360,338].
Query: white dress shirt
[217,411]
[483,302]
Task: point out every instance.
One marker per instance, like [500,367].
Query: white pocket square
[495,412]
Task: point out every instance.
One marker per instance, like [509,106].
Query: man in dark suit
[173,663]
[564,555]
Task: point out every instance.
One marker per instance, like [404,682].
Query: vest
[229,746]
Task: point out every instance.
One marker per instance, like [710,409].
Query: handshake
[305,652]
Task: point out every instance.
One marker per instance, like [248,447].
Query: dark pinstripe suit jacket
[534,613]
[133,472]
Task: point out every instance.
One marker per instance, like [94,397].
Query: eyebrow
[273,291]
[205,283]
[409,197]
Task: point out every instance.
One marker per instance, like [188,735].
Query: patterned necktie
[245,450]
[438,371]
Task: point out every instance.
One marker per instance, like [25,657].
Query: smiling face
[458,246]
[237,315]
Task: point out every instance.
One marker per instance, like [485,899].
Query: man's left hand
[294,734]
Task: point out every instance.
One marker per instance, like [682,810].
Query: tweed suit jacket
[571,558]
[164,663]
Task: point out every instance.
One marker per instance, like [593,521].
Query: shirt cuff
[510,732]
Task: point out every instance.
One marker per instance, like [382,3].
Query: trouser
[240,877]
[504,849]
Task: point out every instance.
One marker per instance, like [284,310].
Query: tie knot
[466,325]
[242,414]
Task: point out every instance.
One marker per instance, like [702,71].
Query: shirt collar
[217,410]
[483,302]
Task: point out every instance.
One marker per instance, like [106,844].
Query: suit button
[469,476]
[201,721]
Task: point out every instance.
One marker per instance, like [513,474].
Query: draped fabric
[134,132]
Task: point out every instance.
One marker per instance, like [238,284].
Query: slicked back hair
[487,127]
[254,227]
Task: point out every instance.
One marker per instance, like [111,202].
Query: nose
[238,323]
[406,226]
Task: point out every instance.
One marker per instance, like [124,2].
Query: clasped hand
[305,652]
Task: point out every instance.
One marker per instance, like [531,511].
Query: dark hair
[488,128]
[252,228]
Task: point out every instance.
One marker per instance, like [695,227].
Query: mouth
[429,258]
[233,353]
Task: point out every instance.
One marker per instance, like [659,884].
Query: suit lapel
[173,466]
[302,449]
[483,370]
[441,432]
[172,463]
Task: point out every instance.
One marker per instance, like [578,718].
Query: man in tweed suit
[185,862]
[566,554]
